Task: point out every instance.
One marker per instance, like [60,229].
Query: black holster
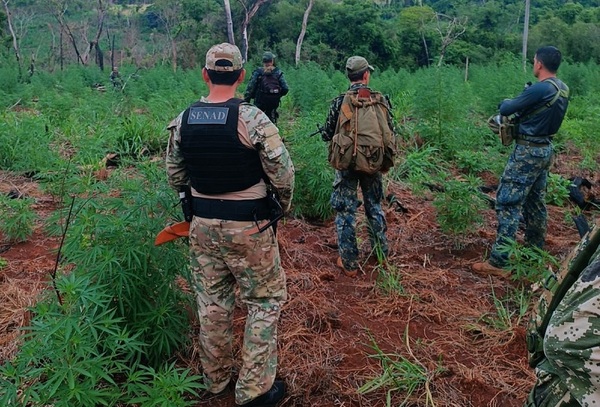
[185,197]
[275,209]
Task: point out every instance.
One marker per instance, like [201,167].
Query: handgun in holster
[275,210]
[185,197]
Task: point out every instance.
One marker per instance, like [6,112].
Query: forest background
[96,152]
[393,34]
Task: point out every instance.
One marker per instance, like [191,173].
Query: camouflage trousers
[224,254]
[569,376]
[522,190]
[344,201]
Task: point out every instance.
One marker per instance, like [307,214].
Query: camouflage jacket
[264,136]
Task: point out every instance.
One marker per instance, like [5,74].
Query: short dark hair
[550,57]
[223,78]
[357,76]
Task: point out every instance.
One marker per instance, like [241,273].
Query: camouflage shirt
[263,135]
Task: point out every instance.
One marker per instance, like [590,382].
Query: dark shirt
[540,127]
[253,85]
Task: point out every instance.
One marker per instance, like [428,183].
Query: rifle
[320,129]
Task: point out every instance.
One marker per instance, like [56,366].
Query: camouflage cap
[357,64]
[224,52]
[268,56]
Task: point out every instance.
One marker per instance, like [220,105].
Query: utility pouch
[185,197]
[505,127]
[508,133]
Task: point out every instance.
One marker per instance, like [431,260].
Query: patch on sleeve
[271,141]
[208,115]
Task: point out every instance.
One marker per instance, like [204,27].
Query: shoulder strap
[547,105]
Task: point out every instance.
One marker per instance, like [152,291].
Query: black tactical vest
[215,158]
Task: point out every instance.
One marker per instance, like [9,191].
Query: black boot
[270,398]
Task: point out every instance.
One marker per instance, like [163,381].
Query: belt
[531,144]
[246,210]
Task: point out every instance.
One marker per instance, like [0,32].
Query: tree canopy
[391,33]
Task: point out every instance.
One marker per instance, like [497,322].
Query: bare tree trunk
[59,14]
[230,35]
[174,54]
[99,57]
[425,46]
[303,31]
[525,33]
[170,15]
[62,55]
[249,14]
[94,43]
[111,41]
[15,41]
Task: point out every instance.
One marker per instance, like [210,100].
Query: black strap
[546,105]
[246,210]
[531,144]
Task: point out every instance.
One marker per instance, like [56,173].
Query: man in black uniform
[267,85]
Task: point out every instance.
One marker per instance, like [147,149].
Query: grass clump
[398,374]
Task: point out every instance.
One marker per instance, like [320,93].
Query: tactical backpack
[363,140]
[507,127]
[270,88]
[555,286]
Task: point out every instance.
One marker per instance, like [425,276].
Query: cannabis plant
[458,206]
[18,219]
[314,176]
[558,190]
[110,239]
[528,262]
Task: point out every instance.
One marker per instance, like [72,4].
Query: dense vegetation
[99,338]
[393,34]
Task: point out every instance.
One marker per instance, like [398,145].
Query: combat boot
[270,398]
[347,272]
[485,268]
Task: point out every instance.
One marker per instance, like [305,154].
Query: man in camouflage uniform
[523,184]
[344,198]
[115,78]
[568,373]
[228,151]
[267,103]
